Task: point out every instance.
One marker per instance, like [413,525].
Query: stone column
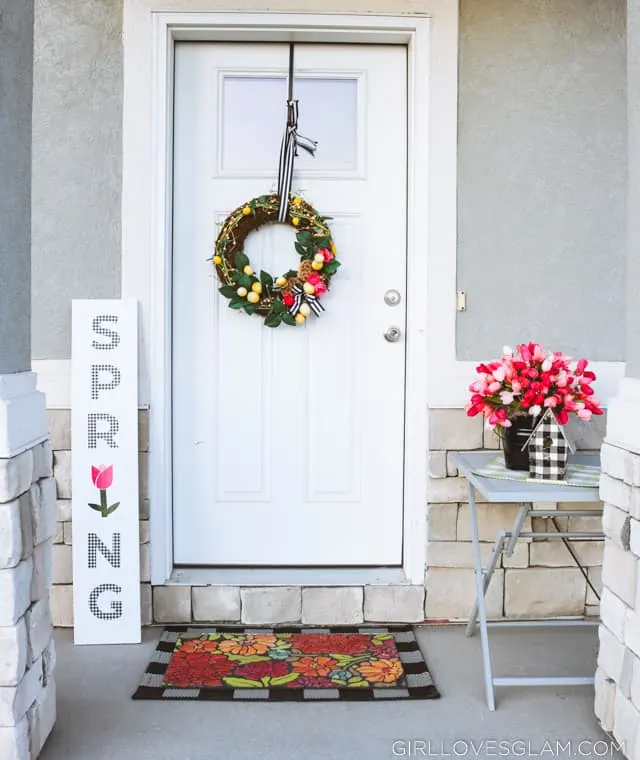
[617,702]
[27,488]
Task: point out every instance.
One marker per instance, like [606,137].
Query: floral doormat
[287,664]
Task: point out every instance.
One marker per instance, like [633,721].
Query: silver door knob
[392,334]
[392,297]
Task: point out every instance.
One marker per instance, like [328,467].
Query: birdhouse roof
[550,416]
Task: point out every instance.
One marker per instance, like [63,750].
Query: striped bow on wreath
[300,297]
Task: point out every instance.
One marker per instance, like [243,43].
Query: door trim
[147,210]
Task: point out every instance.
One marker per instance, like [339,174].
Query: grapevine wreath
[291,297]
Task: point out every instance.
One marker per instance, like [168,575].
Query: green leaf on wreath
[273,321]
[228,291]
[238,303]
[241,259]
[250,308]
[245,280]
[278,307]
[324,242]
[291,273]
[288,319]
[266,279]
[300,248]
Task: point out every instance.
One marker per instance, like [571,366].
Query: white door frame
[146,211]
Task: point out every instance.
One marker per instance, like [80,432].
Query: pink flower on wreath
[318,283]
[326,254]
[102,476]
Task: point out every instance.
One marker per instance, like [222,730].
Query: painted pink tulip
[102,476]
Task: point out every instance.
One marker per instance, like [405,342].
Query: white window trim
[146,211]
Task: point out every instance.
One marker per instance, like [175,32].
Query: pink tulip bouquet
[529,380]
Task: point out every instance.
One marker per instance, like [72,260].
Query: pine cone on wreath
[304,270]
[288,288]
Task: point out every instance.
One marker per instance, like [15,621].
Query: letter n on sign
[104,442]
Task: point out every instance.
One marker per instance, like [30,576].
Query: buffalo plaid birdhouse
[549,449]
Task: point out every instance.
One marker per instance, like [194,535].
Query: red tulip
[102,476]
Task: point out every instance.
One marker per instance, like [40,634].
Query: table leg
[517,528]
[498,548]
[484,634]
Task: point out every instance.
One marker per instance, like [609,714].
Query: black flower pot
[514,438]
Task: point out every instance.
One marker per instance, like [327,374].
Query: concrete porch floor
[97,720]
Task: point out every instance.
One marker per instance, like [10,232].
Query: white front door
[288,443]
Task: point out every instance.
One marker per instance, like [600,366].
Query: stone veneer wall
[618,675]
[539,580]
[27,653]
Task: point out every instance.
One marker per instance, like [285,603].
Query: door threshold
[290,576]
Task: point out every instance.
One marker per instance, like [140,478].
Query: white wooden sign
[104,429]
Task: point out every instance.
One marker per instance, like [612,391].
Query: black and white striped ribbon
[300,297]
[288,151]
[290,144]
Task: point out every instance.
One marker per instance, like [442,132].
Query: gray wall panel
[16,59]
[542,176]
[77,156]
[633,259]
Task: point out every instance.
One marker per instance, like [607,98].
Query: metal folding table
[525,493]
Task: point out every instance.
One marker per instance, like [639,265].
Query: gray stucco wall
[542,171]
[542,176]
[16,43]
[633,258]
[77,156]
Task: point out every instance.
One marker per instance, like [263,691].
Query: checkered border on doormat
[419,682]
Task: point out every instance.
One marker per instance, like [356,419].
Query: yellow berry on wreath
[300,318]
[246,210]
[308,288]
[297,201]
[253,297]
[305,310]
[295,221]
[248,269]
[242,292]
[217,260]
[317,265]
[257,288]
[281,282]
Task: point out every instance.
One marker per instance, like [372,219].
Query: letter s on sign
[106,332]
